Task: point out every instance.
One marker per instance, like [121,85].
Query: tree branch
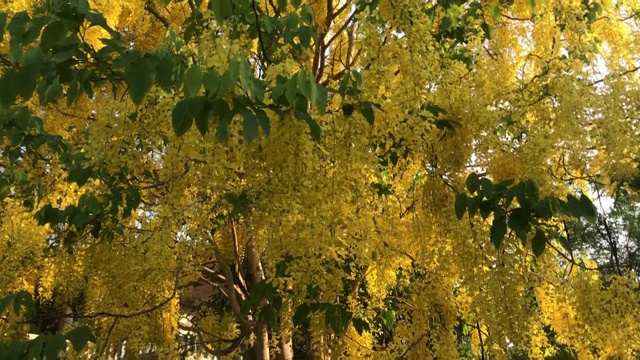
[153,11]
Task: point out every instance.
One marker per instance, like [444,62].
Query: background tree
[283,178]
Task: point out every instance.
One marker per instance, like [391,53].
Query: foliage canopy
[316,179]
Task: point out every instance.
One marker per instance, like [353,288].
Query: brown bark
[261,330]
[286,349]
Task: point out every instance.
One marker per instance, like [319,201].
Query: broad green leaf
[79,337]
[183,115]
[35,347]
[139,76]
[473,182]
[202,119]
[304,34]
[303,311]
[538,242]
[519,222]
[53,34]
[473,204]
[307,86]
[82,6]
[488,30]
[53,345]
[291,89]
[485,209]
[498,231]
[53,92]
[5,301]
[360,325]
[263,120]
[211,82]
[3,23]
[366,110]
[221,9]
[574,206]
[192,81]
[347,109]
[314,127]
[344,84]
[306,14]
[166,69]
[291,21]
[495,12]
[589,210]
[249,125]
[460,205]
[532,191]
[8,90]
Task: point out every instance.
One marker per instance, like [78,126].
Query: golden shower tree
[313,179]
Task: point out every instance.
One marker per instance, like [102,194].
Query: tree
[313,179]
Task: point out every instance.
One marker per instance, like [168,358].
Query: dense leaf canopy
[317,179]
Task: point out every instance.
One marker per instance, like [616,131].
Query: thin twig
[260,40]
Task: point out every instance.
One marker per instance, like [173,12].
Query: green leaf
[291,89]
[587,208]
[249,125]
[460,205]
[3,23]
[53,92]
[82,6]
[263,120]
[473,203]
[225,114]
[5,301]
[301,315]
[79,337]
[347,109]
[202,119]
[531,4]
[495,12]
[531,190]
[488,30]
[304,34]
[139,76]
[519,222]
[282,5]
[360,325]
[307,85]
[574,206]
[35,347]
[366,110]
[498,231]
[538,243]
[165,70]
[192,81]
[53,345]
[314,127]
[221,9]
[211,82]
[184,113]
[344,84]
[473,182]
[53,34]
[291,21]
[485,209]
[306,13]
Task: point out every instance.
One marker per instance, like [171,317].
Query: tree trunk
[286,349]
[261,331]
